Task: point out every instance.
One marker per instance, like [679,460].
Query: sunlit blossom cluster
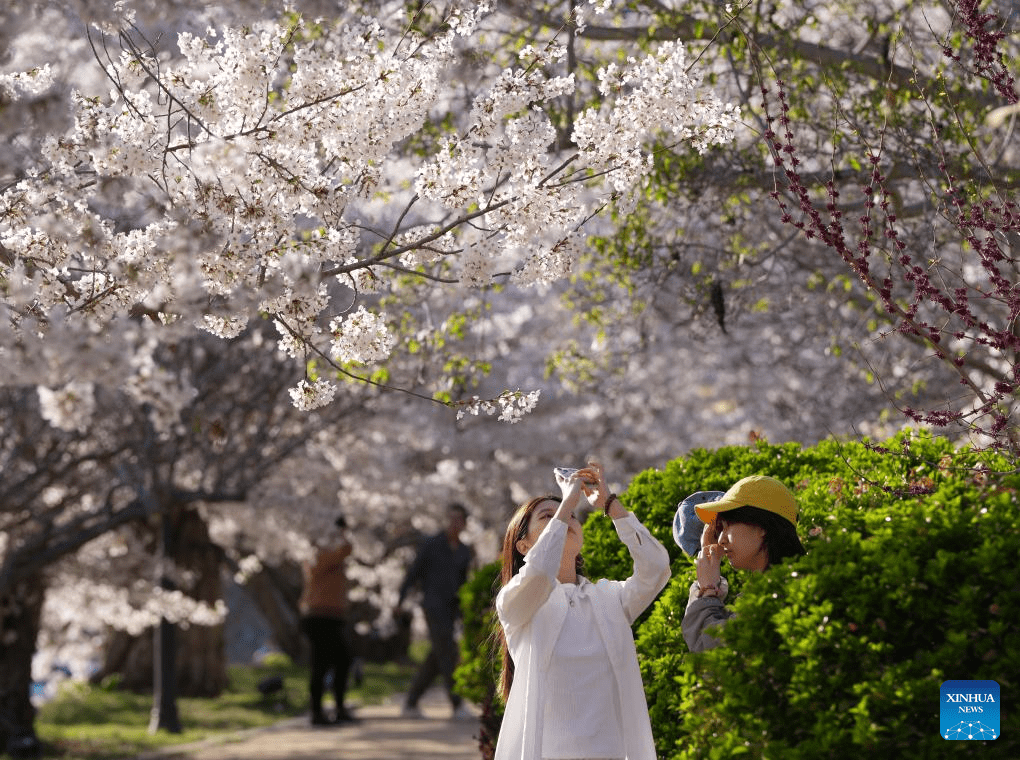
[132,609]
[247,567]
[511,405]
[223,327]
[69,407]
[308,395]
[659,96]
[361,336]
[250,158]
[26,83]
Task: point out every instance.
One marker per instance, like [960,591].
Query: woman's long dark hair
[781,539]
[513,561]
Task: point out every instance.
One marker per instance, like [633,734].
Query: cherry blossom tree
[54,498]
[113,516]
[414,214]
[251,165]
[271,171]
[859,230]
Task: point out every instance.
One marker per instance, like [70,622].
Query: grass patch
[106,723]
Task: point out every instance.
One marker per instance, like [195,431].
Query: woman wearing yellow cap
[754,524]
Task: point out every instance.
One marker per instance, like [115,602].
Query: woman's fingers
[594,485]
[708,565]
[572,486]
[708,536]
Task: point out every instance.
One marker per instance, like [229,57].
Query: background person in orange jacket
[325,601]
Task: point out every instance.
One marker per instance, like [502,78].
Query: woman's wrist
[709,589]
[607,508]
[565,509]
[607,503]
[716,588]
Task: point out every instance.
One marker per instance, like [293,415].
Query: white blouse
[582,718]
[533,609]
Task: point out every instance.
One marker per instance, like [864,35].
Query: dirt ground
[380,734]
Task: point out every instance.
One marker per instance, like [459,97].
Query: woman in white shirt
[571,680]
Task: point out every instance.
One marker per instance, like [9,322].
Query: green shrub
[910,580]
[478,672]
[277,660]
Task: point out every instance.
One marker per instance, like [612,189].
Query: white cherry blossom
[68,408]
[262,171]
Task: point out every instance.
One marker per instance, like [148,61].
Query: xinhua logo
[970,710]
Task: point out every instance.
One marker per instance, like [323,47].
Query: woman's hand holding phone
[709,559]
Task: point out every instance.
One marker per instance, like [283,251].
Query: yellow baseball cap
[759,491]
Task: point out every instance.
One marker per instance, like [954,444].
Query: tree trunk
[20,614]
[164,714]
[164,645]
[275,591]
[202,651]
[200,661]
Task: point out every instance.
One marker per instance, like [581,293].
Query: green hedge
[479,667]
[911,579]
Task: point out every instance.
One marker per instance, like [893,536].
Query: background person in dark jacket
[439,569]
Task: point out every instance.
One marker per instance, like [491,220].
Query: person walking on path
[439,569]
[324,604]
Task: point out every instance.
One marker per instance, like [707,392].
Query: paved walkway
[380,734]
